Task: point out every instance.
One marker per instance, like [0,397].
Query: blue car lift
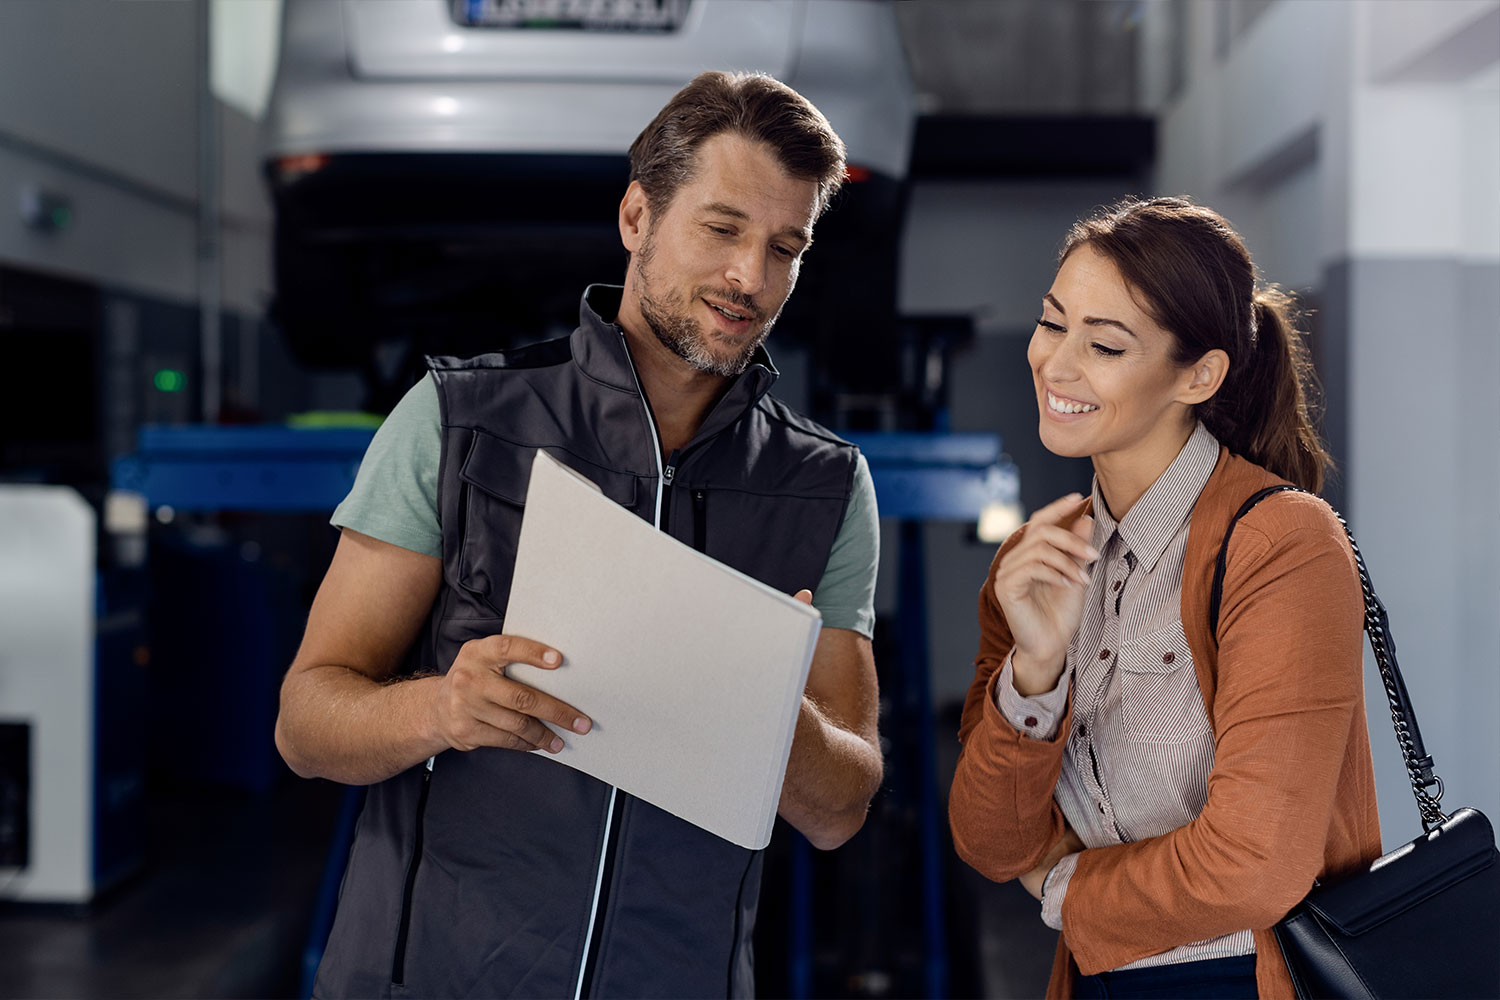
[918,477]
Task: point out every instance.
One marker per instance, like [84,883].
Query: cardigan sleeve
[1001,809]
[1289,695]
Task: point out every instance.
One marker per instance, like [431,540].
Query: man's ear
[1204,377]
[635,217]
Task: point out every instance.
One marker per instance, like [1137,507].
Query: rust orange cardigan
[1292,792]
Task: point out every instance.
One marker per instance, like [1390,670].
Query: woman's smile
[1062,405]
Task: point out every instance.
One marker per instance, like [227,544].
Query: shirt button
[1103,654]
[1168,657]
[1083,730]
[1101,807]
[1116,586]
[1030,721]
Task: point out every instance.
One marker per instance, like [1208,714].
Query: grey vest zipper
[700,520]
[611,826]
[667,475]
[398,964]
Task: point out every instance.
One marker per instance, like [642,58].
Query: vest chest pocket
[1160,701]
[493,480]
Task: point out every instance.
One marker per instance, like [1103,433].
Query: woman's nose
[1059,360]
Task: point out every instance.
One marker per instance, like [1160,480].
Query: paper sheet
[692,672]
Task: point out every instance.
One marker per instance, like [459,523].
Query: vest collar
[599,349]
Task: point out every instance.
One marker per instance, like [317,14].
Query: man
[481,868]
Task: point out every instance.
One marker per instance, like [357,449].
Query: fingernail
[550,656]
[556,745]
[581,725]
[1093,553]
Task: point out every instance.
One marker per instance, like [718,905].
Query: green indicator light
[169,380]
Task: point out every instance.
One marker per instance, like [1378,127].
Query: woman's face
[1106,385]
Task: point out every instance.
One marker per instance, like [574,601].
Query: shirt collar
[1151,524]
[599,349]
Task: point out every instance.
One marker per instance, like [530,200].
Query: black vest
[502,874]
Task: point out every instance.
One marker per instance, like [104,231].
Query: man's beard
[684,336]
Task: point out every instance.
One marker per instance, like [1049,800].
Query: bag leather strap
[1419,765]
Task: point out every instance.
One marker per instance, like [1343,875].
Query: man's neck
[680,395]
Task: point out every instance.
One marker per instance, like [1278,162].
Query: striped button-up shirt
[1137,760]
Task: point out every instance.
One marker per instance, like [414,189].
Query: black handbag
[1423,920]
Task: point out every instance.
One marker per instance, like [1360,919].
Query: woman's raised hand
[1040,585]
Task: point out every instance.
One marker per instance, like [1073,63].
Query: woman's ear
[1203,378]
[635,217]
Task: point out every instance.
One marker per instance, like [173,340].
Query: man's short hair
[753,105]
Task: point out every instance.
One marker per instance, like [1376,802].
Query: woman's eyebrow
[1089,320]
[1101,321]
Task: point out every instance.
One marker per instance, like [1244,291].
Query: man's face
[710,271]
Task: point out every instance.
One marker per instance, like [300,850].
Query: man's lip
[748,314]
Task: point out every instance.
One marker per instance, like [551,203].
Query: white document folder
[691,671]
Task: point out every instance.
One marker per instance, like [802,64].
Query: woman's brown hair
[1192,273]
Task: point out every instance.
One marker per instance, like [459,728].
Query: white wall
[989,248]
[98,103]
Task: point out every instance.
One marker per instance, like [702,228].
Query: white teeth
[734,316]
[1068,406]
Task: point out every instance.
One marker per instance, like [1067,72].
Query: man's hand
[1067,844]
[343,718]
[477,705]
[835,765]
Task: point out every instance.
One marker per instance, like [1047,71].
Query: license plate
[572,15]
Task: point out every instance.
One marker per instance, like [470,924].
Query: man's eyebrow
[723,208]
[802,233]
[1090,320]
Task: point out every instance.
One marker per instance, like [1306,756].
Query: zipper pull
[671,468]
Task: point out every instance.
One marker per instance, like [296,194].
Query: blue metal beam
[927,477]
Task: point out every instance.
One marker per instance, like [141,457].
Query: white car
[446,173]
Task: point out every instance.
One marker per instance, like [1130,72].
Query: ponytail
[1264,410]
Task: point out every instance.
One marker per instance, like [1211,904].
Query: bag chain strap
[1419,765]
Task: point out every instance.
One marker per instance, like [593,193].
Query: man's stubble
[684,336]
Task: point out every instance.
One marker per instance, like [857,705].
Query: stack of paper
[692,672]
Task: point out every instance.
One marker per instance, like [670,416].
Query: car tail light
[290,168]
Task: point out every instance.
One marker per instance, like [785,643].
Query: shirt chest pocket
[1160,701]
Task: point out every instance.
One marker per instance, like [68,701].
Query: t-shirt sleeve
[846,593]
[394,497]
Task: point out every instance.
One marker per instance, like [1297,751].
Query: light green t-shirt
[394,499]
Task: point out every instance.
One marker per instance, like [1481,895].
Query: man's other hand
[834,767]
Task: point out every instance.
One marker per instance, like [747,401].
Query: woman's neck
[1124,477]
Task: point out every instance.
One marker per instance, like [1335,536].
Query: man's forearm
[830,778]
[336,723]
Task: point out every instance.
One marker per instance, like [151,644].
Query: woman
[1168,793]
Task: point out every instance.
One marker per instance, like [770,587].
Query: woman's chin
[1059,444]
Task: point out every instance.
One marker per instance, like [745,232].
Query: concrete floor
[220,909]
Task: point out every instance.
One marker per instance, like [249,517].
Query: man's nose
[747,271]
